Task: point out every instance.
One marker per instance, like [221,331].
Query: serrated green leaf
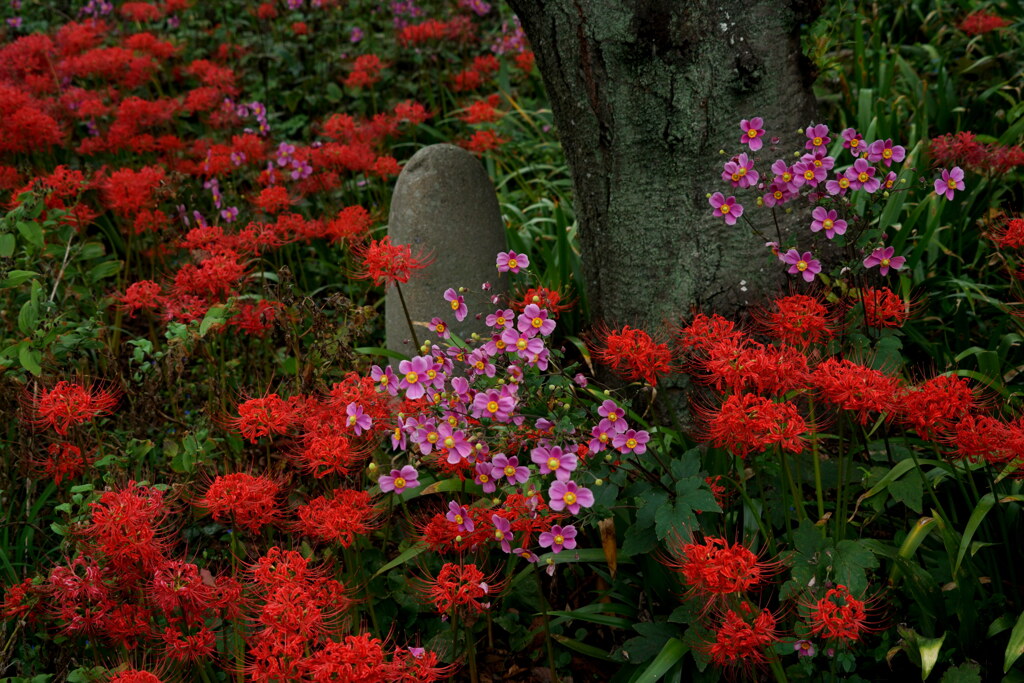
[32,232]
[965,673]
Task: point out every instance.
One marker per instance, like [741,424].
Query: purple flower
[385,379]
[454,440]
[555,461]
[414,374]
[600,438]
[950,181]
[355,35]
[862,176]
[511,262]
[807,173]
[482,476]
[886,152]
[358,420]
[500,318]
[804,264]
[480,363]
[502,532]
[804,648]
[740,171]
[399,480]
[524,344]
[459,514]
[229,214]
[853,141]
[509,467]
[839,185]
[440,327]
[884,259]
[827,220]
[752,133]
[457,303]
[817,137]
[566,494]
[726,207]
[559,537]
[535,318]
[581,380]
[631,441]
[494,404]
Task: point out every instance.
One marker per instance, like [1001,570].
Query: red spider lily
[339,517]
[550,300]
[247,501]
[633,355]
[124,527]
[883,308]
[387,264]
[934,407]
[741,641]
[856,388]
[982,21]
[717,568]
[838,616]
[747,423]
[69,404]
[263,417]
[704,331]
[460,588]
[798,320]
[64,461]
[768,370]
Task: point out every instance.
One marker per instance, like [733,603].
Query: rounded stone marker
[444,206]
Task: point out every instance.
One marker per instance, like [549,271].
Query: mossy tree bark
[645,93]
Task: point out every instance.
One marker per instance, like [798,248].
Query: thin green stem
[408,319]
[819,493]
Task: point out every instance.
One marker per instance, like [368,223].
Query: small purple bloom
[752,133]
[358,420]
[949,182]
[631,441]
[853,141]
[399,481]
[817,137]
[740,171]
[805,264]
[559,537]
[511,262]
[726,207]
[502,532]
[884,259]
[535,318]
[568,495]
[509,467]
[459,514]
[886,152]
[862,176]
[827,220]
[555,461]
[457,303]
[440,327]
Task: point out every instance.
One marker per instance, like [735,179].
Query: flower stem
[408,320]
[818,493]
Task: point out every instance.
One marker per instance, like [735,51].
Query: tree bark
[645,93]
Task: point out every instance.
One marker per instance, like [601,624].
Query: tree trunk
[645,93]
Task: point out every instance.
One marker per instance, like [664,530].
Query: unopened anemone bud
[475,336]
[707,195]
[551,387]
[721,151]
[462,290]
[424,349]
[607,392]
[496,501]
[886,193]
[372,467]
[608,458]
[479,446]
[599,482]
[551,561]
[535,299]
[760,201]
[458,539]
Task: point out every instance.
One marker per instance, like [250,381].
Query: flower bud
[372,467]
[599,482]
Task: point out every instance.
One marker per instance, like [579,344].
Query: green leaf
[849,562]
[965,673]
[16,277]
[908,490]
[333,93]
[214,317]
[30,359]
[7,243]
[103,270]
[980,510]
[584,649]
[378,351]
[1015,648]
[404,557]
[670,654]
[592,617]
[32,232]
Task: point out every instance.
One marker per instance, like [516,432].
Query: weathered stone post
[444,205]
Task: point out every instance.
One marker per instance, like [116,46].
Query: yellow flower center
[500,345]
[569,497]
[724,208]
[479,365]
[735,177]
[816,142]
[801,265]
[498,535]
[854,143]
[863,176]
[559,539]
[512,263]
[399,483]
[440,327]
[817,163]
[844,182]
[411,377]
[752,133]
[553,463]
[884,262]
[537,322]
[500,320]
[492,407]
[431,374]
[827,224]
[455,305]
[458,519]
[433,437]
[521,344]
[809,174]
[509,471]
[452,420]
[484,479]
[602,437]
[886,153]
[777,194]
[787,176]
[951,184]
[352,419]
[630,443]
[384,379]
[449,442]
